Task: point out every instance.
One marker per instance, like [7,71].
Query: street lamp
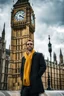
[50,51]
[49,88]
[49,48]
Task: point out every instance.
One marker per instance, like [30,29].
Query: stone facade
[56,76]
[4,62]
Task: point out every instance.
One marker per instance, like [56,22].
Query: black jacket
[38,67]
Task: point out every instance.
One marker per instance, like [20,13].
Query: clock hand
[21,16]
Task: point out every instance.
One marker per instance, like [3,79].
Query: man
[32,68]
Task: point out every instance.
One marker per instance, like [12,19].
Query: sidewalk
[47,93]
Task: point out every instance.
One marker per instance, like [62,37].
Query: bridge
[47,93]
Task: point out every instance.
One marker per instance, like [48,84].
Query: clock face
[19,16]
[32,19]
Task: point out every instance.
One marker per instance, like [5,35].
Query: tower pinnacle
[3,32]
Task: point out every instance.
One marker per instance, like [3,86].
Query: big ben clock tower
[22,27]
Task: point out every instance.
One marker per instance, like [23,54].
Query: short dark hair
[30,39]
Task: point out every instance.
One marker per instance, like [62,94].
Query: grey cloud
[5,1]
[52,13]
[59,38]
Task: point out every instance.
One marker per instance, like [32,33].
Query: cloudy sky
[49,21]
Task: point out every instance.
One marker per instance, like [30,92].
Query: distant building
[4,61]
[56,76]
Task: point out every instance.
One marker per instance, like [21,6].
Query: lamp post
[49,87]
[50,51]
[50,48]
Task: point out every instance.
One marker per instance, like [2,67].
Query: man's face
[29,45]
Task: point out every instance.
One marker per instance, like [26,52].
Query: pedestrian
[33,67]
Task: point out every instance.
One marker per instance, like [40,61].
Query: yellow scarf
[27,68]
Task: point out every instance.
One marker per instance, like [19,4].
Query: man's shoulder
[22,58]
[39,54]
